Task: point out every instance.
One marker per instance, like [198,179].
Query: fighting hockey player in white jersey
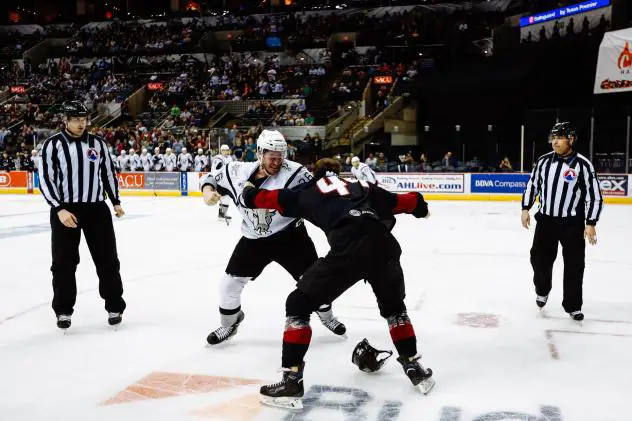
[185,160]
[219,160]
[158,160]
[123,161]
[145,160]
[170,160]
[134,160]
[267,236]
[201,161]
[362,171]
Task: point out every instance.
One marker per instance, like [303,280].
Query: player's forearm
[261,199]
[412,203]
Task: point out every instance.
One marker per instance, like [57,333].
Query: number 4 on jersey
[329,184]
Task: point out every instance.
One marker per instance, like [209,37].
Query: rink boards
[435,186]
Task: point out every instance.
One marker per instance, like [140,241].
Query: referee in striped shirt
[570,205]
[76,173]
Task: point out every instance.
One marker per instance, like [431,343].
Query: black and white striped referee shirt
[568,188]
[77,170]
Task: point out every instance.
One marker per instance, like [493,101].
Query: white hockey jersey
[146,162]
[201,161]
[134,162]
[256,223]
[123,162]
[158,162]
[364,172]
[170,162]
[219,160]
[185,160]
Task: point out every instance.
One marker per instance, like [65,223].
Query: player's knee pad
[230,288]
[299,304]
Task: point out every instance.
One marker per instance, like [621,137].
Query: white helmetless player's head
[144,151]
[156,150]
[224,150]
[168,151]
[200,151]
[271,151]
[355,161]
[131,151]
[123,153]
[184,150]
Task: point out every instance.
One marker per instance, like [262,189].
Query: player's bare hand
[591,233]
[211,197]
[68,219]
[525,218]
[118,211]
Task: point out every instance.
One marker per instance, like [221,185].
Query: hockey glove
[211,197]
[421,211]
[248,195]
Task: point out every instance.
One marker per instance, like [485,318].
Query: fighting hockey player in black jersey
[357,218]
[267,236]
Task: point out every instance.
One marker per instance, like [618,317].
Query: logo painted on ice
[570,175]
[92,154]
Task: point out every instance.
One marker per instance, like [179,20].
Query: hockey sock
[296,338]
[223,210]
[229,317]
[325,313]
[402,334]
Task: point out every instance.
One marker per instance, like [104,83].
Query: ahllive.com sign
[424,183]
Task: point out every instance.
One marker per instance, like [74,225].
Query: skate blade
[426,385]
[284,402]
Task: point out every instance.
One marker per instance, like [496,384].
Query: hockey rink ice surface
[469,294]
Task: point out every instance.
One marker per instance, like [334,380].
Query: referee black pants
[570,233]
[95,220]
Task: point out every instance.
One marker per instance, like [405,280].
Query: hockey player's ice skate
[578,316]
[223,214]
[541,300]
[115,319]
[420,377]
[63,321]
[222,334]
[332,323]
[288,393]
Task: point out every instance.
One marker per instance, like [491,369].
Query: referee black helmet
[75,109]
[563,129]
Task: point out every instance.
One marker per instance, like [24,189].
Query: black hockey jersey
[327,201]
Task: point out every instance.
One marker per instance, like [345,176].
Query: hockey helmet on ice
[271,140]
[366,357]
[563,129]
[75,109]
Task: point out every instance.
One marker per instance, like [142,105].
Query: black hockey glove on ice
[421,211]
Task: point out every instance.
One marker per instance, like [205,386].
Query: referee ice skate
[570,206]
[76,174]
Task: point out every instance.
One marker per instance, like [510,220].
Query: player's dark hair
[325,165]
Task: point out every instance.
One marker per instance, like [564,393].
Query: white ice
[467,258]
